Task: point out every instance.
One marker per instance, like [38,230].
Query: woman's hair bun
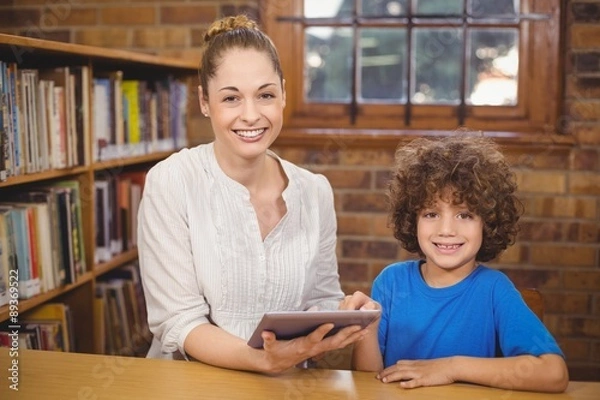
[228,24]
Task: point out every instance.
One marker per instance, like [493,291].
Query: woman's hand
[281,355]
[358,301]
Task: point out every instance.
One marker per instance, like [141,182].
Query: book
[58,312]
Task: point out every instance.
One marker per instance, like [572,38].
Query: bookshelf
[163,126]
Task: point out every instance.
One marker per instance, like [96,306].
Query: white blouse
[203,260]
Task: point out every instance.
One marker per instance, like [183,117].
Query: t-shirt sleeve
[381,293]
[520,331]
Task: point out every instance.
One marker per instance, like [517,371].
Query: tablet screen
[292,324]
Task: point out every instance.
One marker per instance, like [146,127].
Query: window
[391,66]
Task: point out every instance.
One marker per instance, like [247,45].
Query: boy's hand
[417,373]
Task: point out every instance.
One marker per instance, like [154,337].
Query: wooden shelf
[122,162]
[25,50]
[28,304]
[37,54]
[42,176]
[117,261]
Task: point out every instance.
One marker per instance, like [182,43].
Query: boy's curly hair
[477,175]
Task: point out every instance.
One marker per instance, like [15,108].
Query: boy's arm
[366,355]
[546,373]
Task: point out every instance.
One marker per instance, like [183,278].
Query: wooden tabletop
[54,375]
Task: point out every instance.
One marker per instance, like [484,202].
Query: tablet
[292,324]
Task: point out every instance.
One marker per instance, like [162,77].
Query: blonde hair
[232,33]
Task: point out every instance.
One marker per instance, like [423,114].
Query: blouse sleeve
[327,292]
[174,300]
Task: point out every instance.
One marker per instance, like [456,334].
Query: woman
[229,231]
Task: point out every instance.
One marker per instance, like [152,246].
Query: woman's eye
[267,96]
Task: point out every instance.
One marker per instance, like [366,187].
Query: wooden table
[53,375]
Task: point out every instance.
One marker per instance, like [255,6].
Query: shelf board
[41,176]
[21,48]
[115,262]
[122,162]
[27,304]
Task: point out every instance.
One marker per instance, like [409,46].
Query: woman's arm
[546,373]
[212,345]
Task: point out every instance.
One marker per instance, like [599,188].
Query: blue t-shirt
[483,315]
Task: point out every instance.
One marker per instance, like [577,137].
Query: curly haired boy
[445,316]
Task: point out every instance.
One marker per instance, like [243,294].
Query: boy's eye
[429,215]
[465,216]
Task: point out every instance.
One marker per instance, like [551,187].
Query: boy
[446,317]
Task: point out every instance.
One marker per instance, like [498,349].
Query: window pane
[488,8]
[328,64]
[437,67]
[383,64]
[328,8]
[439,6]
[384,8]
[493,67]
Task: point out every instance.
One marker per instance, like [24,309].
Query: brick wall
[558,249]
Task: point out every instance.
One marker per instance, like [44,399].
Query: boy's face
[450,237]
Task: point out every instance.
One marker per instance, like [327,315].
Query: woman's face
[245,103]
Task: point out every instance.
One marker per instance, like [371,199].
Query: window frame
[540,77]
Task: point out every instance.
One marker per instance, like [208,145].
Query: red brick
[188,14]
[585,183]
[534,156]
[583,372]
[573,207]
[584,36]
[586,134]
[369,249]
[563,255]
[583,110]
[70,17]
[360,157]
[586,160]
[567,303]
[354,224]
[381,226]
[575,349]
[348,178]
[581,327]
[161,37]
[578,88]
[538,278]
[26,18]
[353,272]
[541,181]
[541,231]
[582,280]
[128,16]
[514,254]
[104,37]
[595,352]
[364,202]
